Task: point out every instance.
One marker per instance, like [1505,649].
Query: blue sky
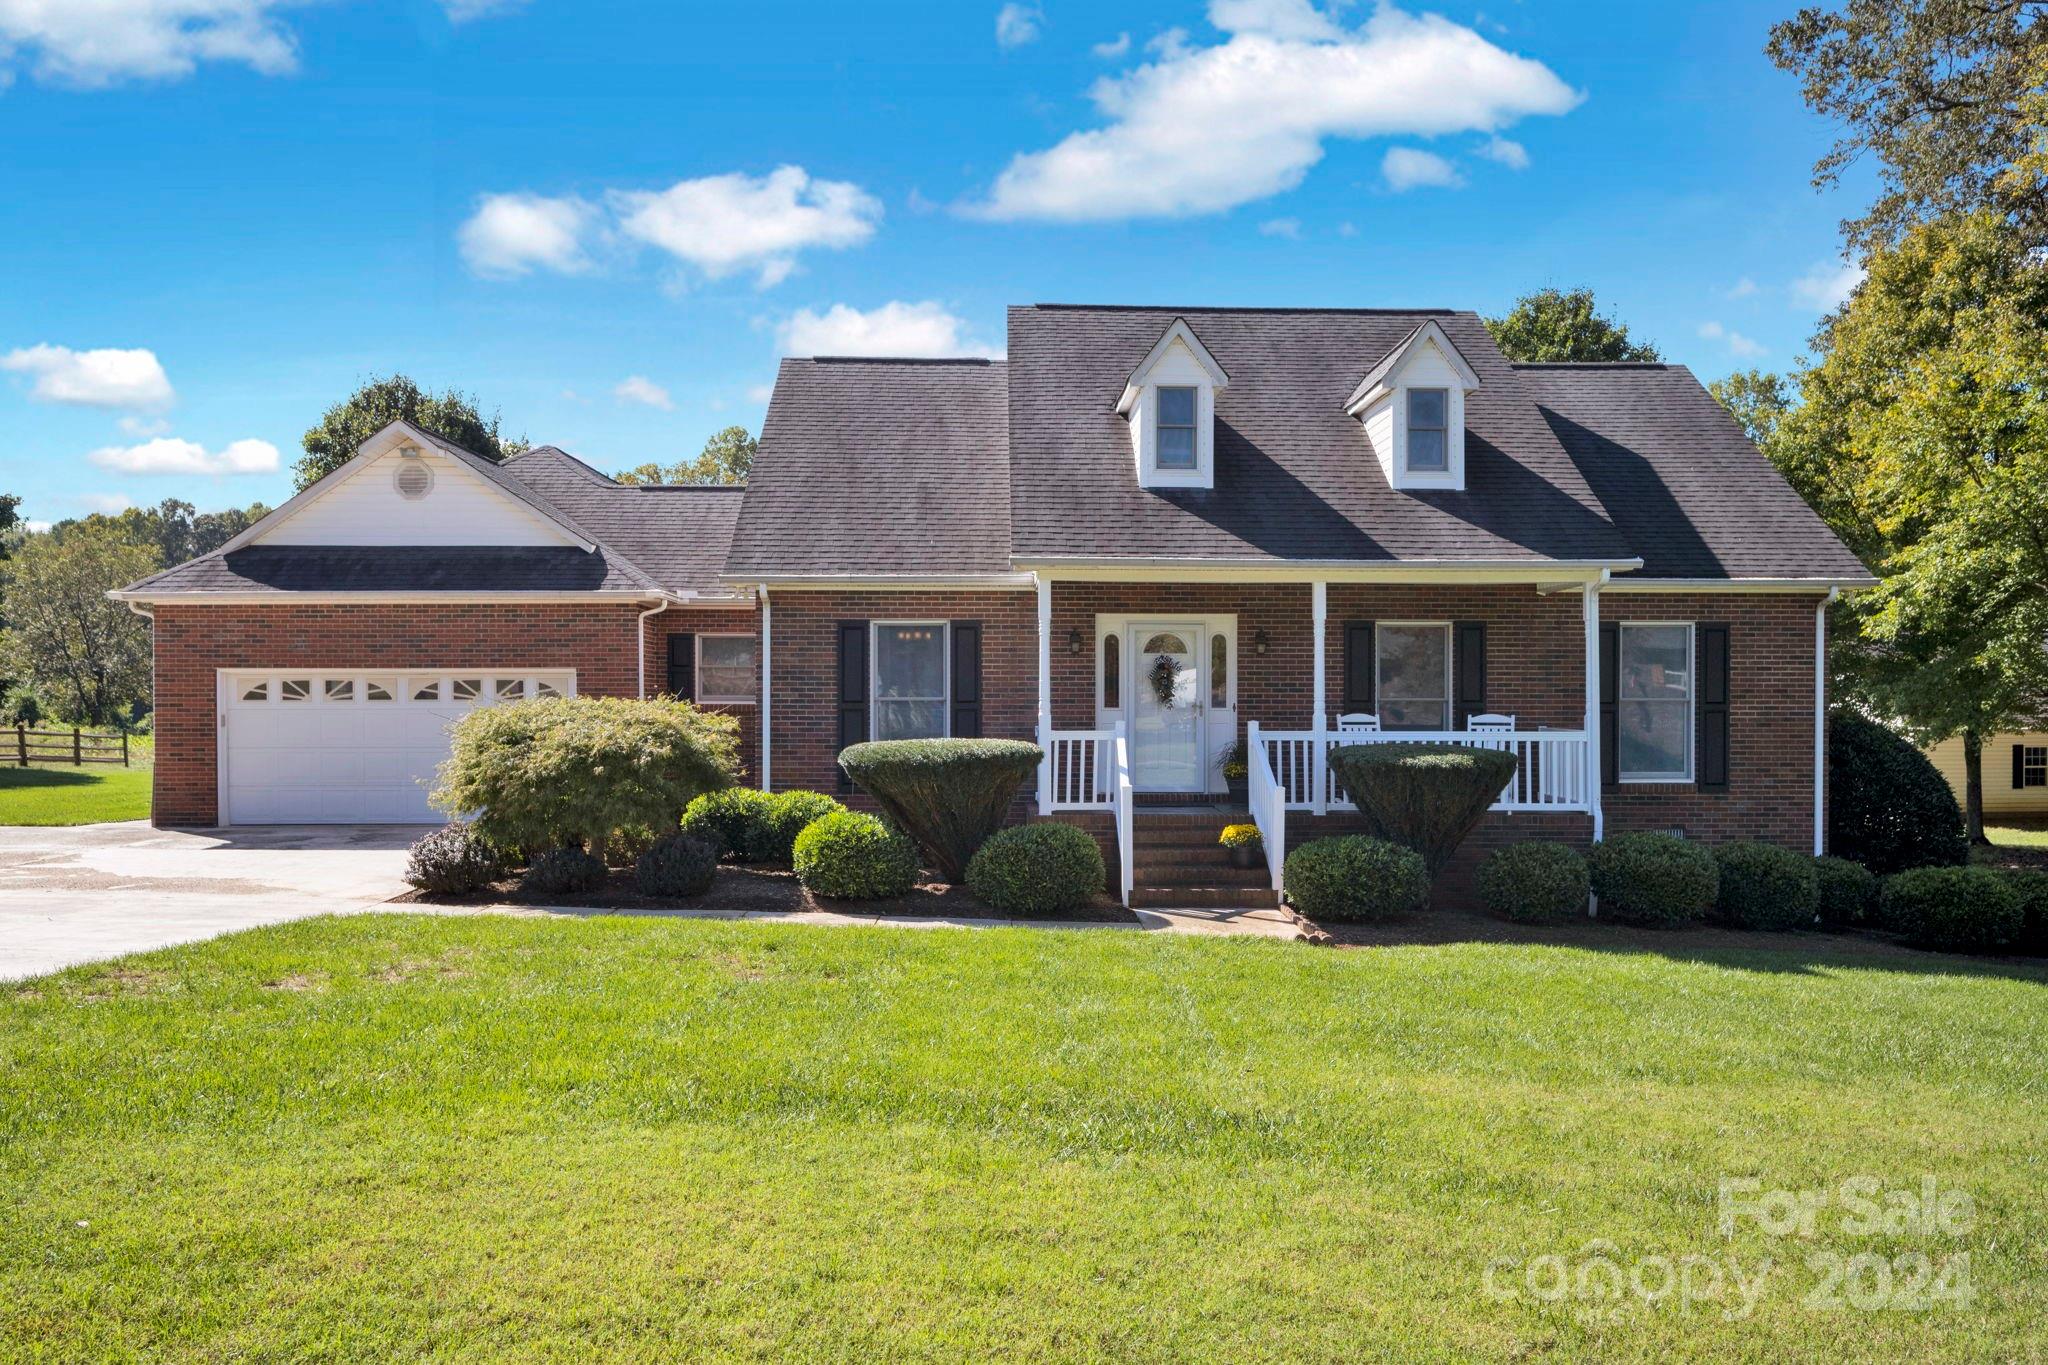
[580,212]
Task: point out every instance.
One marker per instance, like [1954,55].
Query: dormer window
[1412,407]
[1170,403]
[1429,444]
[1177,407]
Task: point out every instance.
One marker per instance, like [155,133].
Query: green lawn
[405,1136]
[73,796]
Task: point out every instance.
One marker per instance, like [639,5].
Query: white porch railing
[1126,825]
[1090,770]
[1268,800]
[1550,777]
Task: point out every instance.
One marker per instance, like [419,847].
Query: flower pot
[1236,787]
[1245,855]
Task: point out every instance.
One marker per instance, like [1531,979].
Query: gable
[365,506]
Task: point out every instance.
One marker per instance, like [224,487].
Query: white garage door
[325,748]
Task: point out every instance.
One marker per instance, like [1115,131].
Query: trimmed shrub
[947,794]
[452,861]
[2032,888]
[680,865]
[1536,882]
[563,871]
[1657,880]
[1423,796]
[734,821]
[1355,878]
[1952,907]
[1848,891]
[787,816]
[1764,886]
[1046,868]
[1888,807]
[852,856]
[557,771]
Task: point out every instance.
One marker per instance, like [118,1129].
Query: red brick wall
[709,621]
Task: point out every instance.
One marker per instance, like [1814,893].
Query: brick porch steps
[1177,862]
[1205,897]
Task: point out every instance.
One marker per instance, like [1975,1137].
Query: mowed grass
[58,794]
[405,1136]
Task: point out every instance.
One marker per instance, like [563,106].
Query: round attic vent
[413,479]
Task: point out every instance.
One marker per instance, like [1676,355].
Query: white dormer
[1412,405]
[1170,402]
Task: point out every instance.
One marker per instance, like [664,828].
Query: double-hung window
[1413,676]
[1429,439]
[910,680]
[1654,703]
[728,670]
[2034,766]
[1176,436]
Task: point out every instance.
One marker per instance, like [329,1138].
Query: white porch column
[1045,694]
[1592,613]
[1820,722]
[1319,769]
[767,689]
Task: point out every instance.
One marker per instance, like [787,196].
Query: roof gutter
[881,582]
[1800,585]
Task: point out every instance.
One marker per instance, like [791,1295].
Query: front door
[1167,693]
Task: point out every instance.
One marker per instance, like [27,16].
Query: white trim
[1144,570]
[1179,331]
[1374,386]
[945,697]
[1692,705]
[1590,612]
[1319,611]
[1820,723]
[1379,692]
[697,668]
[1710,585]
[296,599]
[640,641]
[1045,792]
[884,582]
[767,691]
[1210,626]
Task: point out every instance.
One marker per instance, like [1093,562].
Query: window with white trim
[2034,766]
[1412,663]
[1654,696]
[909,666]
[1174,410]
[728,670]
[1429,430]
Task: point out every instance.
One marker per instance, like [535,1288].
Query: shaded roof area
[1690,492]
[881,467]
[394,568]
[677,535]
[1295,478]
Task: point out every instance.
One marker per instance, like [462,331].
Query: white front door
[1167,692]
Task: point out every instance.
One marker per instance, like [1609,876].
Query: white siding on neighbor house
[1999,793]
[461,509]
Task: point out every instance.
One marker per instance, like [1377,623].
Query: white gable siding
[462,509]
[1177,367]
[1386,421]
[1379,429]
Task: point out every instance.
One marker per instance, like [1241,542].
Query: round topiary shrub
[1888,807]
[735,822]
[2031,887]
[788,813]
[1657,880]
[1764,886]
[680,865]
[564,871]
[1426,797]
[1952,907]
[452,861]
[1041,869]
[1847,891]
[947,794]
[851,856]
[1355,878]
[1536,882]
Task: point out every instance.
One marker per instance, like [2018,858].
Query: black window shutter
[682,666]
[1468,642]
[2019,767]
[1713,708]
[966,646]
[1610,705]
[1358,669]
[853,689]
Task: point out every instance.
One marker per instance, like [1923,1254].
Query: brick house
[1149,539]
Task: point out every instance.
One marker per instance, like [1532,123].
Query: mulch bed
[776,890]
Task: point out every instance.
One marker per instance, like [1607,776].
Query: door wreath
[1165,679]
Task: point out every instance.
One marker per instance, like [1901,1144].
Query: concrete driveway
[98,891]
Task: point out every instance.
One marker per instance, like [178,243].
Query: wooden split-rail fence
[74,746]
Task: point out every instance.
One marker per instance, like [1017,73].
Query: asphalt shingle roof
[393,568]
[677,535]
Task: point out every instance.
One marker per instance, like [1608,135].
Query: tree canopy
[1554,324]
[180,531]
[452,415]
[727,458]
[1757,400]
[64,639]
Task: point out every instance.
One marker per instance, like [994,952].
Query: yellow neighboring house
[2015,772]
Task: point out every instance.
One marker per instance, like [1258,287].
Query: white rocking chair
[1358,721]
[1491,722]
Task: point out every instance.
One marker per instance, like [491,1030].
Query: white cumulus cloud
[1827,285]
[170,455]
[1737,343]
[462,11]
[1199,129]
[1507,152]
[1742,288]
[724,223]
[1114,48]
[1290,228]
[1018,24]
[638,388]
[913,330]
[511,234]
[106,378]
[101,42]
[1408,168]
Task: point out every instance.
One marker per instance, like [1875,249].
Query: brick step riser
[1204,876]
[1204,897]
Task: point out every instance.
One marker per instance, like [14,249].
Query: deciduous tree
[727,458]
[1554,324]
[451,415]
[63,637]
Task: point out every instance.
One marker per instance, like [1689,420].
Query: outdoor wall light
[1073,642]
[1259,642]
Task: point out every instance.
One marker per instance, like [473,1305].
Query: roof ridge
[1252,308]
[1594,365]
[902,359]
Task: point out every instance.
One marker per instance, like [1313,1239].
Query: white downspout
[666,603]
[1044,694]
[1592,615]
[767,689]
[1319,768]
[1820,721]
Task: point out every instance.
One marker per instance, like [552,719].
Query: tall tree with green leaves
[1949,96]
[1757,400]
[180,531]
[1564,324]
[88,656]
[1923,440]
[727,458]
[452,415]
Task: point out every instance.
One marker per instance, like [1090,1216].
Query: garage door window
[294,689]
[466,689]
[378,691]
[259,692]
[341,689]
[427,691]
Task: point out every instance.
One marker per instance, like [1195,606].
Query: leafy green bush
[1764,886]
[1888,807]
[947,794]
[1355,878]
[853,856]
[734,821]
[1658,880]
[557,771]
[787,816]
[1848,891]
[1039,869]
[452,861]
[1537,882]
[1426,797]
[1952,907]
[679,866]
[562,871]
[2032,888]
